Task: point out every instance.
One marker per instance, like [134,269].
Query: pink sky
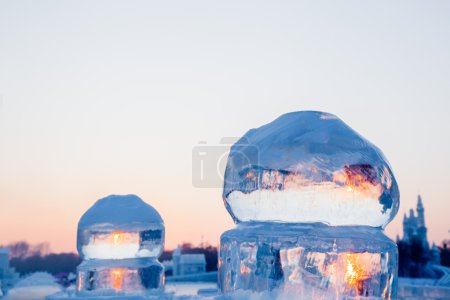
[59,225]
[97,100]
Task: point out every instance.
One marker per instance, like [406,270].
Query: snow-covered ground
[423,292]
[39,286]
[34,287]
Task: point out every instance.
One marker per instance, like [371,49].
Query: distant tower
[409,226]
[435,255]
[421,228]
[176,260]
[406,230]
[420,212]
[414,225]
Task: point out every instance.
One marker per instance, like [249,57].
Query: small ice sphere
[119,227]
[309,166]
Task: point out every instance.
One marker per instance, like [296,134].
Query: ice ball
[309,166]
[118,227]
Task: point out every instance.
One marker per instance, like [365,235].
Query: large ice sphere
[308,261]
[309,167]
[120,226]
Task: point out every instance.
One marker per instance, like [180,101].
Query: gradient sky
[108,97]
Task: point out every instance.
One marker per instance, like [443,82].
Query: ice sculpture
[310,197]
[120,239]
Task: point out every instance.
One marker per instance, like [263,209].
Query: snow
[35,286]
[37,279]
[338,208]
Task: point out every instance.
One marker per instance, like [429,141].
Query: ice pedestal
[119,277]
[310,197]
[120,239]
[311,261]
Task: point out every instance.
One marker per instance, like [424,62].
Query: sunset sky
[109,97]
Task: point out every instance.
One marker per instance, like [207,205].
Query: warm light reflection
[116,238]
[389,280]
[80,281]
[116,279]
[358,268]
[386,179]
[112,245]
[359,179]
[354,272]
[349,271]
[245,269]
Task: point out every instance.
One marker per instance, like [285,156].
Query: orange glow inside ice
[116,238]
[116,278]
[350,270]
[354,272]
[245,269]
[359,184]
[358,268]
[119,238]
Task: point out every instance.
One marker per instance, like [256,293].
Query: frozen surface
[310,261]
[118,227]
[309,167]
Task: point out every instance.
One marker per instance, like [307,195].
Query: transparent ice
[310,197]
[310,261]
[119,277]
[118,227]
[309,167]
[120,239]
